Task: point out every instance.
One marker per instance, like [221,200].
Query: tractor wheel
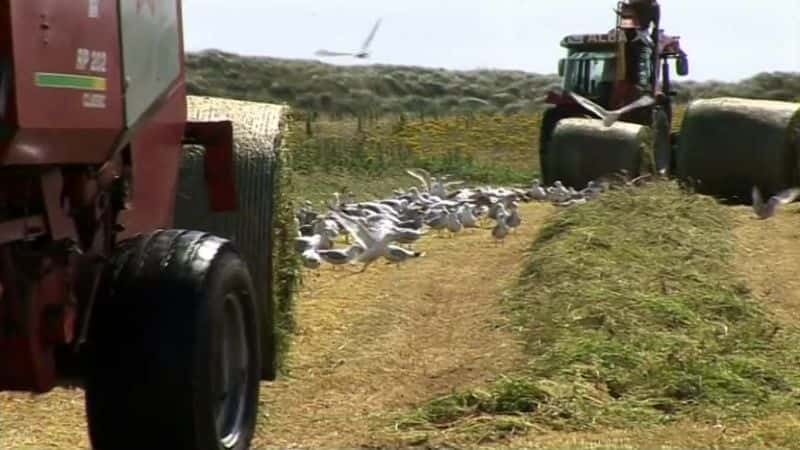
[662,142]
[173,352]
[250,227]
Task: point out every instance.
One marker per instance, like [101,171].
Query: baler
[162,327]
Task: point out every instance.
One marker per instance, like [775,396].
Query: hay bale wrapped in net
[729,145]
[259,226]
[582,150]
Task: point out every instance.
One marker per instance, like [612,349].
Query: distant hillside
[380,89]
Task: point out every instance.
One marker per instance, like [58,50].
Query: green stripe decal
[69,81]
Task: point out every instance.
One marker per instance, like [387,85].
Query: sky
[726,40]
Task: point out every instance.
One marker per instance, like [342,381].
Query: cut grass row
[632,317]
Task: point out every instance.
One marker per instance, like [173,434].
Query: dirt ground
[768,252]
[369,346]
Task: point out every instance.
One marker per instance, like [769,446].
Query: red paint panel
[47,36]
[217,139]
[156,151]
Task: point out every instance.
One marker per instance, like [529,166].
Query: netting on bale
[582,150]
[261,227]
[729,145]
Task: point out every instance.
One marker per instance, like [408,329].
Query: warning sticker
[94,101]
[94,9]
[82,59]
[98,61]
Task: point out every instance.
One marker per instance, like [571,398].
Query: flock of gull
[386,228]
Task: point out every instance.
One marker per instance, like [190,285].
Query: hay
[634,315]
[728,145]
[258,135]
[582,150]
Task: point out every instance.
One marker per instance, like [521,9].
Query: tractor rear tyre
[173,351]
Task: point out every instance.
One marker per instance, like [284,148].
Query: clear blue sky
[726,39]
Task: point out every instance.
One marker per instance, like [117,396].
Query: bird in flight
[363,53]
[768,209]
[609,117]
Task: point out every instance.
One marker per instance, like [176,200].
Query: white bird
[398,255]
[537,192]
[373,241]
[363,53]
[513,220]
[453,224]
[338,257]
[500,231]
[424,178]
[467,217]
[311,258]
[767,210]
[609,117]
[320,241]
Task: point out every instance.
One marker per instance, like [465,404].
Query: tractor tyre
[662,144]
[173,351]
[250,227]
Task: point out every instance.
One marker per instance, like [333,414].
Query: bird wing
[356,230]
[613,116]
[787,196]
[419,177]
[371,36]
[330,53]
[591,106]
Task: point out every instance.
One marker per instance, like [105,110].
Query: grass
[632,317]
[382,90]
[369,158]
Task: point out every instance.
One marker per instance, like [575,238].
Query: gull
[398,255]
[513,220]
[592,190]
[424,178]
[571,202]
[453,224]
[500,231]
[315,242]
[609,117]
[373,241]
[311,259]
[767,210]
[337,257]
[438,221]
[363,53]
[467,217]
[537,192]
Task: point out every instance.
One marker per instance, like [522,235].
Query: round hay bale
[582,150]
[729,145]
[258,132]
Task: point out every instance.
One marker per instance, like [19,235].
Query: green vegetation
[377,90]
[632,316]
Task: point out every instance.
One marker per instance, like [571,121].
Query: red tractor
[164,328]
[626,72]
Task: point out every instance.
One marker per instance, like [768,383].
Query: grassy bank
[631,317]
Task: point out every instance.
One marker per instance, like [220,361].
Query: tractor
[167,330]
[626,71]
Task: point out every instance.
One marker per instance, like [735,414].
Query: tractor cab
[616,68]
